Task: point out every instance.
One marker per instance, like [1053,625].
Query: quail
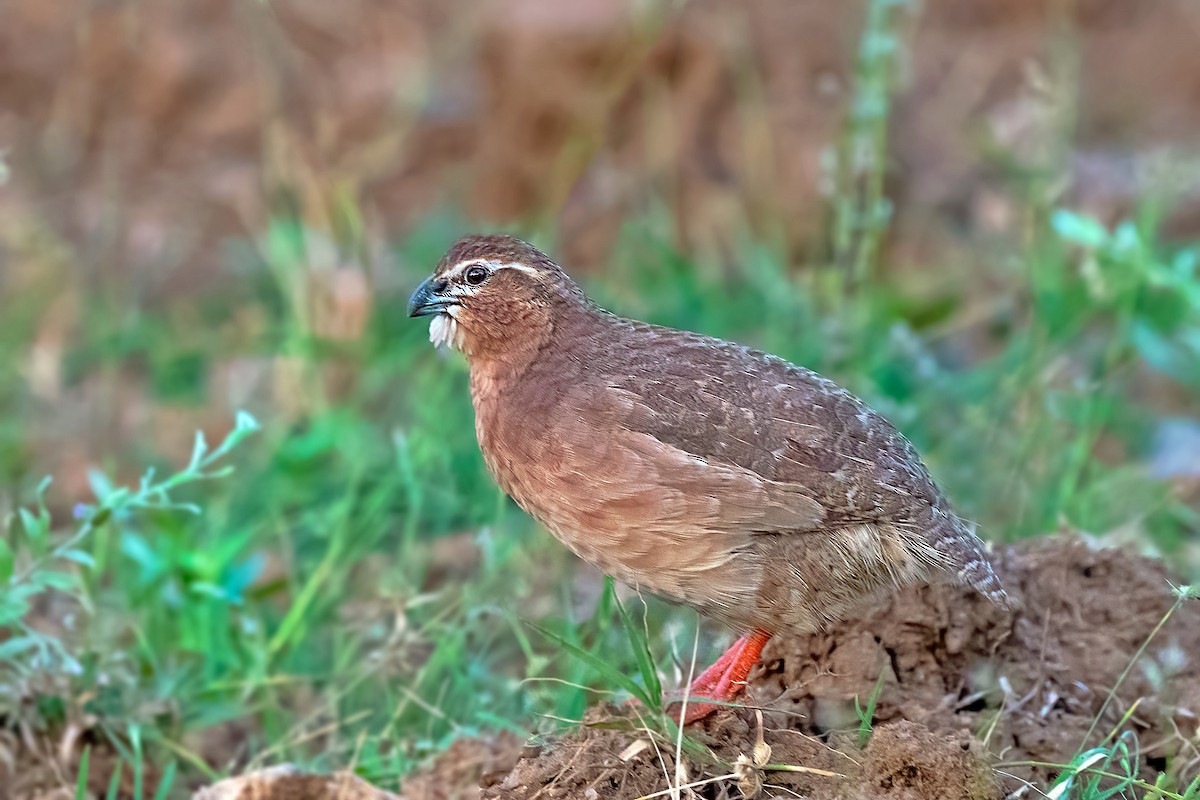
[719,477]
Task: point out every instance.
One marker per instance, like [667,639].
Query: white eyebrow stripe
[492,264]
[528,270]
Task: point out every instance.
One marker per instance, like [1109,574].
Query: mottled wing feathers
[801,434]
[818,458]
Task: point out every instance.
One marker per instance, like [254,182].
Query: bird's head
[493,294]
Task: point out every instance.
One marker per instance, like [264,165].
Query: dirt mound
[288,783]
[468,764]
[903,760]
[966,687]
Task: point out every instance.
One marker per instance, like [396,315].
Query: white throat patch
[443,331]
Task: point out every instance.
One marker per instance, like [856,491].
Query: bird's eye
[475,275]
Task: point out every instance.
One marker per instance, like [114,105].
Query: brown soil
[968,691]
[468,764]
[287,783]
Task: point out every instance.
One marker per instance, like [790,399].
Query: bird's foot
[723,680]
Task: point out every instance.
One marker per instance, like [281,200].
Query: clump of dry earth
[969,692]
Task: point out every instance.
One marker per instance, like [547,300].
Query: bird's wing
[810,444]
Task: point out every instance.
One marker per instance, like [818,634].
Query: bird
[716,476]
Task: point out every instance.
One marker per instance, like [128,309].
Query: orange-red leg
[726,677]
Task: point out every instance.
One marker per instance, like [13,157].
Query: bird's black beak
[429,298]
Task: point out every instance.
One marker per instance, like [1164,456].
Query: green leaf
[206,589]
[63,581]
[13,608]
[199,448]
[246,423]
[1170,356]
[117,498]
[16,646]
[1079,229]
[1080,764]
[6,561]
[101,486]
[146,484]
[79,557]
[35,531]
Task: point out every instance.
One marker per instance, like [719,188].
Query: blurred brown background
[143,133]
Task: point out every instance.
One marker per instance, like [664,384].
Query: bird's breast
[615,498]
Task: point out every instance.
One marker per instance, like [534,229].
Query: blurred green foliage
[307,603]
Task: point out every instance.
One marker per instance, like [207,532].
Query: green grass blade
[639,640]
[607,671]
[114,783]
[866,716]
[164,785]
[81,780]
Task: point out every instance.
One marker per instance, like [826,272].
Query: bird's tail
[967,558]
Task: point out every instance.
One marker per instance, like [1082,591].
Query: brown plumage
[755,490]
